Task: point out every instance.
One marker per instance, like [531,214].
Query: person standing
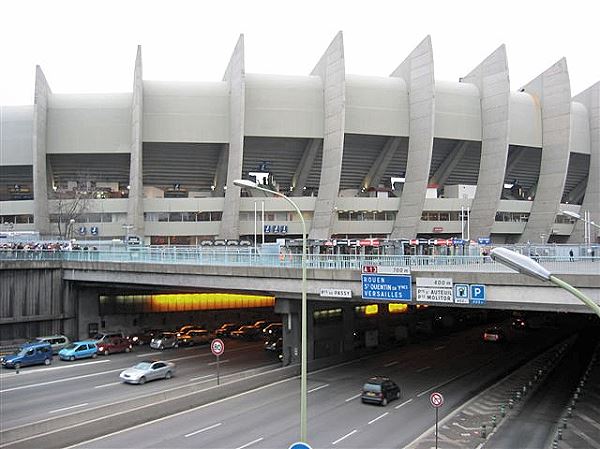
[571,255]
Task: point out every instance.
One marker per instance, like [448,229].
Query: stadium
[403,156]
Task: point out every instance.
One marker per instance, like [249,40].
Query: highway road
[66,387]
[459,366]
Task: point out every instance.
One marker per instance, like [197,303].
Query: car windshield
[375,388]
[71,346]
[19,352]
[161,336]
[143,365]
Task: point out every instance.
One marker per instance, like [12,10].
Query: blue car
[79,350]
[37,353]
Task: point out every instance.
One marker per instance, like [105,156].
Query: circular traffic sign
[436,399]
[217,346]
[300,445]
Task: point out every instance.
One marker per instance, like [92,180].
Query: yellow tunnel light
[372,309]
[397,308]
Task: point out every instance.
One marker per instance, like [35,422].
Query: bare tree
[72,203]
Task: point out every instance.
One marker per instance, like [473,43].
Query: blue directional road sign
[461,293]
[300,446]
[386,286]
[477,294]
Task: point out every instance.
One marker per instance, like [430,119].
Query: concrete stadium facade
[402,156]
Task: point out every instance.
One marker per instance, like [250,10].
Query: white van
[56,341]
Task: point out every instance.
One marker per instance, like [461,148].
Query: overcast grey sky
[89,46]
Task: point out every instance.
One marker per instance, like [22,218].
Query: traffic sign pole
[436,428]
[218,370]
[217,347]
[437,400]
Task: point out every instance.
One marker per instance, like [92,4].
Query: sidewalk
[472,424]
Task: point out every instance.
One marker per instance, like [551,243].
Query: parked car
[56,341]
[36,353]
[113,345]
[183,329]
[379,390]
[226,329]
[79,350]
[519,323]
[195,337]
[148,370]
[245,333]
[261,324]
[144,337]
[272,330]
[164,340]
[104,336]
[494,334]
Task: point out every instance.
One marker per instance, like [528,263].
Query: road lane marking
[318,388]
[403,404]
[108,385]
[353,397]
[203,430]
[52,368]
[250,443]
[220,361]
[420,370]
[344,437]
[68,408]
[387,365]
[379,417]
[201,377]
[66,379]
[439,348]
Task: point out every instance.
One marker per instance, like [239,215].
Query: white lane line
[344,437]
[403,404]
[53,368]
[439,348]
[203,430]
[420,370]
[66,379]
[220,361]
[68,408]
[353,397]
[317,388]
[387,365]
[426,391]
[145,354]
[201,377]
[108,385]
[250,443]
[379,417]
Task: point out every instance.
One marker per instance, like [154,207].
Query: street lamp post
[303,359]
[529,267]
[586,220]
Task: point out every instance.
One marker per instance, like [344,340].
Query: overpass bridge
[61,289]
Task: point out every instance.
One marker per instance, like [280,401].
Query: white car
[148,370]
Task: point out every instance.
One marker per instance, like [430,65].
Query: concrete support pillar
[304,167]
[235,75]
[417,72]
[40,176]
[590,98]
[331,70]
[348,328]
[88,311]
[552,90]
[135,203]
[291,333]
[220,179]
[492,80]
[381,164]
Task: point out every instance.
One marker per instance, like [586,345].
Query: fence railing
[211,257]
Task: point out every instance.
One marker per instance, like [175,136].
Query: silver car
[164,340]
[148,370]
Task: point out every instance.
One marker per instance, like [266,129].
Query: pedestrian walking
[571,255]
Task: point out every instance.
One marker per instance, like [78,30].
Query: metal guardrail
[238,257]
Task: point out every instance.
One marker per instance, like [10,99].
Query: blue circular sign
[300,445]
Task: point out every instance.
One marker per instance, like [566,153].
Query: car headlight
[100,348]
[135,338]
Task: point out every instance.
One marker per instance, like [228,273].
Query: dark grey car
[164,340]
[380,390]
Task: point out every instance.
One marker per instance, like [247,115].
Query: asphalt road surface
[459,366]
[66,387]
